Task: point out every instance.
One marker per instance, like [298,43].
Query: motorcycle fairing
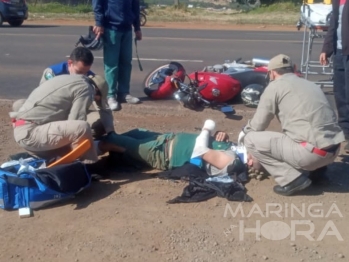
[228,87]
[248,77]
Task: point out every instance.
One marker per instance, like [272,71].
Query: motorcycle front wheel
[156,78]
[143,19]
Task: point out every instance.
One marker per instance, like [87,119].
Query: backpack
[42,187]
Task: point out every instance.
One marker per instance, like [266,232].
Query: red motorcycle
[211,87]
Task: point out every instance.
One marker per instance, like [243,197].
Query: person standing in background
[337,43]
[113,22]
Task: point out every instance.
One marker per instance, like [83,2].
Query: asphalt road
[27,50]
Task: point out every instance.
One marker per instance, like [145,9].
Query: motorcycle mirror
[175,82]
[202,87]
[238,60]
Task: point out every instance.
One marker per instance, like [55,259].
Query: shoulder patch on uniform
[48,75]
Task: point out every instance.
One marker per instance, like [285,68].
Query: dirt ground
[126,217]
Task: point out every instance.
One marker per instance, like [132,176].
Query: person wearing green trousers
[113,22]
[211,150]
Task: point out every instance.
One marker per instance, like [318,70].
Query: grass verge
[275,14]
[57,8]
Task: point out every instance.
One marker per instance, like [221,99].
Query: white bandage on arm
[201,144]
[209,125]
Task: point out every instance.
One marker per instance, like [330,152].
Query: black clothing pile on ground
[199,189]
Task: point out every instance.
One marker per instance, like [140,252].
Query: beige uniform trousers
[56,139]
[283,158]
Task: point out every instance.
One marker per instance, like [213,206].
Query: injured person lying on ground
[212,165]
[210,150]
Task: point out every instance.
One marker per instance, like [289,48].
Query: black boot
[319,177]
[298,184]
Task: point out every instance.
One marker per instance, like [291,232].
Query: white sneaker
[131,99]
[113,104]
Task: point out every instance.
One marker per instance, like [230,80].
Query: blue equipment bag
[43,187]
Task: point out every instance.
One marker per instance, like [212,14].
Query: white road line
[158,59]
[174,38]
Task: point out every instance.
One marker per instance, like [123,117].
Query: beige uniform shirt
[105,114]
[65,97]
[302,109]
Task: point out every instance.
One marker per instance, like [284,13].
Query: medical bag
[41,187]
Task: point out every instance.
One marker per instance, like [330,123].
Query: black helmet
[89,41]
[251,95]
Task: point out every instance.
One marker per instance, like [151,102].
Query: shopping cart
[315,18]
